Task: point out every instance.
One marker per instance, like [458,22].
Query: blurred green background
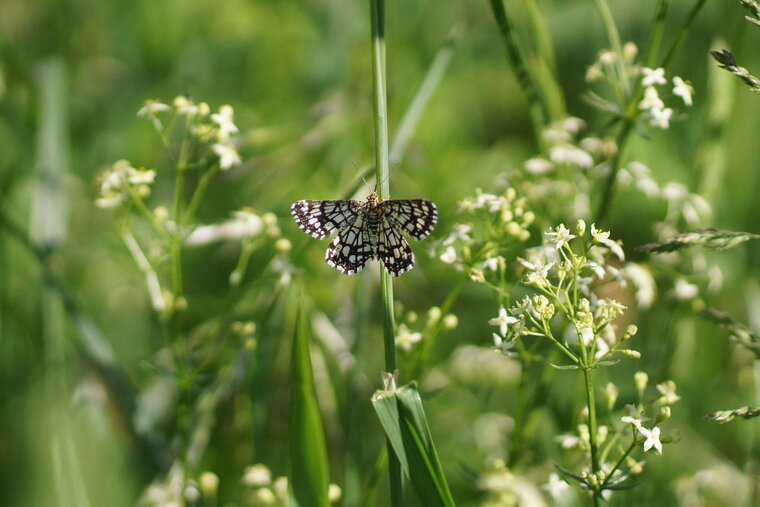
[298,75]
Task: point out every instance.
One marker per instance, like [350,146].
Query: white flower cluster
[119,180]
[435,321]
[622,71]
[566,280]
[215,129]
[653,107]
[494,222]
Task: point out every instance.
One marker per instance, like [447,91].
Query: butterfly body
[371,229]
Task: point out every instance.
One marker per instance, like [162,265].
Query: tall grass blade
[309,474]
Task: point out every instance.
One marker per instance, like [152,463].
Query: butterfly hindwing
[392,249]
[415,217]
[319,219]
[351,249]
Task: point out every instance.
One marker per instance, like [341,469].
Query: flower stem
[592,426]
[377,24]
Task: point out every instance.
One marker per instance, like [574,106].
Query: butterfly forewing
[319,219]
[366,230]
[416,217]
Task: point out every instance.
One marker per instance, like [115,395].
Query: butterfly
[371,229]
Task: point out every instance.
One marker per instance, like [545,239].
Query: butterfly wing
[319,219]
[415,217]
[392,249]
[351,249]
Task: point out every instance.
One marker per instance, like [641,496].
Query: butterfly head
[372,199]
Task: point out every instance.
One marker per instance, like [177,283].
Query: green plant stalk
[609,184]
[682,34]
[591,404]
[198,193]
[377,32]
[614,37]
[655,37]
[538,109]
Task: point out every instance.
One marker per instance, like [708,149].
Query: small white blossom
[405,339]
[644,283]
[558,237]
[567,441]
[503,320]
[651,100]
[228,156]
[684,291]
[449,256]
[556,487]
[603,237]
[682,89]
[633,417]
[224,119]
[459,232]
[653,76]
[660,118]
[492,263]
[667,392]
[652,439]
[538,166]
[503,346]
[572,155]
[151,107]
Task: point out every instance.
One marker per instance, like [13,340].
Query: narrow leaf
[309,473]
[403,419]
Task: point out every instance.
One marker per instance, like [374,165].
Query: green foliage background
[298,75]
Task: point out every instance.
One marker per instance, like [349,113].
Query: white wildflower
[683,89]
[503,320]
[559,237]
[651,100]
[224,119]
[652,439]
[603,237]
[571,155]
[633,416]
[449,256]
[684,291]
[667,392]
[653,76]
[405,339]
[459,232]
[228,156]
[556,487]
[660,118]
[644,283]
[538,165]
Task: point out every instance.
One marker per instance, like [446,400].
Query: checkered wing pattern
[392,249]
[415,217]
[351,249]
[319,219]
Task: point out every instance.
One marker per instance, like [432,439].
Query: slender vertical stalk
[377,23]
[538,109]
[592,426]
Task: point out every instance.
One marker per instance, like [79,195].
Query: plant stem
[538,109]
[592,425]
[609,184]
[377,24]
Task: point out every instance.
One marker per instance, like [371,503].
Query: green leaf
[403,419]
[309,473]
